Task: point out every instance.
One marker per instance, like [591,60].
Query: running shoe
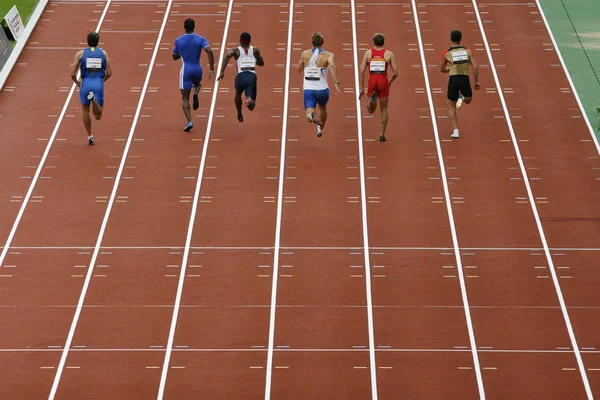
[319,131]
[90,96]
[188,127]
[382,138]
[196,103]
[250,104]
[455,134]
[91,140]
[460,100]
[240,118]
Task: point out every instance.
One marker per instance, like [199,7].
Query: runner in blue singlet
[94,66]
[189,47]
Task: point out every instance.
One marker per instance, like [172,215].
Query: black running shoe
[91,140]
[196,103]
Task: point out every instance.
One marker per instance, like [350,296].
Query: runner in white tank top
[247,58]
[314,65]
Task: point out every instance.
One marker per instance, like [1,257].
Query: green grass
[25,8]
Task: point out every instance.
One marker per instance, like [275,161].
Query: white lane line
[564,67]
[269,371]
[38,171]
[111,201]
[538,222]
[188,240]
[459,266]
[363,198]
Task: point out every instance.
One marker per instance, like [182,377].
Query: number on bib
[247,64]
[312,73]
[377,66]
[460,57]
[93,64]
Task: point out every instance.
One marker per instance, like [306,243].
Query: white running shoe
[90,96]
[455,134]
[319,131]
[460,100]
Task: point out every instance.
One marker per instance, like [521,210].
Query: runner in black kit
[459,86]
[247,58]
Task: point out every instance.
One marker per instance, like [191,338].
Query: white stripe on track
[276,249]
[459,266]
[564,67]
[363,197]
[188,240]
[38,171]
[538,222]
[111,201]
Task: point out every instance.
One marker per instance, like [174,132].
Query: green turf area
[576,29]
[25,8]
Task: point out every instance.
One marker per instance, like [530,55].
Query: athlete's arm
[75,67]
[363,67]
[333,70]
[394,69]
[475,72]
[108,71]
[176,55]
[259,58]
[230,53]
[443,65]
[211,62]
[301,63]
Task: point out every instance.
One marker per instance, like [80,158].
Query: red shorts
[378,83]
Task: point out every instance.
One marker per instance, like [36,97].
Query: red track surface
[320,339]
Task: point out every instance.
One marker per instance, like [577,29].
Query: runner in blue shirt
[94,65]
[189,47]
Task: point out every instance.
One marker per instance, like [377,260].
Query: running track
[152,263]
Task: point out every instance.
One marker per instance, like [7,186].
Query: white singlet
[246,61]
[315,78]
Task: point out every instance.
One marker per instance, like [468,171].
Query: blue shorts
[190,74]
[314,97]
[95,85]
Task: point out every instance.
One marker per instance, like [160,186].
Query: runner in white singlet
[315,64]
[247,58]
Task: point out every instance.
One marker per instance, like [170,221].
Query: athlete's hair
[456,36]
[245,38]
[189,25]
[317,39]
[93,39]
[378,39]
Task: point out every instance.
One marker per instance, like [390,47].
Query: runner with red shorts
[378,59]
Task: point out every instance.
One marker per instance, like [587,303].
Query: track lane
[407,210]
[27,90]
[228,282]
[331,162]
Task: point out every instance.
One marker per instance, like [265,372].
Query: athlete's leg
[98,103]
[250,91]
[384,117]
[196,87]
[310,103]
[372,95]
[239,89]
[185,104]
[453,116]
[87,121]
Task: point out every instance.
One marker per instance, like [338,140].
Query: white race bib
[460,57]
[93,64]
[247,63]
[312,73]
[377,66]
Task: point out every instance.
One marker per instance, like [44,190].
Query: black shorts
[246,81]
[459,83]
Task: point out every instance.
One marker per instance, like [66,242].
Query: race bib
[460,57]
[312,73]
[93,64]
[377,66]
[247,64]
